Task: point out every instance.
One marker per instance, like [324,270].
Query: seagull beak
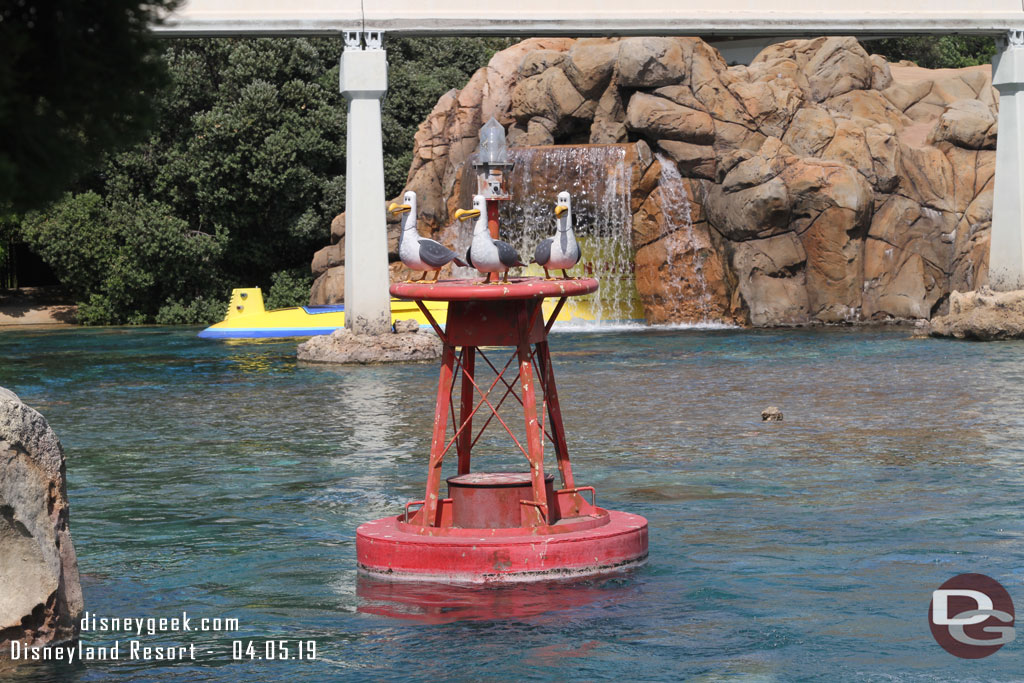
[463,214]
[559,210]
[399,208]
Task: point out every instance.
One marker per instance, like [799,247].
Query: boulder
[40,593]
[651,62]
[406,344]
[589,64]
[660,118]
[772,280]
[982,315]
[966,123]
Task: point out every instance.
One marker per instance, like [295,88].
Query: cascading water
[684,251]
[599,179]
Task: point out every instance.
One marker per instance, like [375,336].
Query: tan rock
[755,212]
[342,346]
[966,123]
[40,594]
[849,146]
[328,288]
[771,104]
[659,118]
[609,126]
[338,228]
[539,61]
[771,280]
[881,74]
[926,176]
[328,257]
[694,161]
[810,131]
[549,95]
[589,64]
[680,94]
[982,315]
[648,62]
[838,66]
[769,162]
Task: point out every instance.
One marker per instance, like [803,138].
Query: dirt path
[35,306]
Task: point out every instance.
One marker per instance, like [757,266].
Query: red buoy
[497,527]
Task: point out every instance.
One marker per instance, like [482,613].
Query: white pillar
[364,80]
[1006,250]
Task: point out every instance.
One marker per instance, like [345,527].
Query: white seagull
[561,251]
[485,254]
[420,253]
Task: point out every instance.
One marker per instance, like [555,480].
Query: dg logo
[971,616]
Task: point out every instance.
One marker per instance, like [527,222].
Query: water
[227,480]
[599,179]
[683,250]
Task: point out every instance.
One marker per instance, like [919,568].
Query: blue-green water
[227,480]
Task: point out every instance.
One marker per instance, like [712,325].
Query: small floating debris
[771,414]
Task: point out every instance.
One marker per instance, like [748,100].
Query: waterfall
[599,180]
[684,252]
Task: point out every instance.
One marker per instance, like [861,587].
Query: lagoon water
[226,480]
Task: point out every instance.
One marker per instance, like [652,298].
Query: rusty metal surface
[473,290]
[493,322]
[493,500]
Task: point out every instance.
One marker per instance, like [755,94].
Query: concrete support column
[1006,250]
[364,80]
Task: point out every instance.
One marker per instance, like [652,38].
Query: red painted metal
[473,290]
[501,557]
[499,527]
[492,500]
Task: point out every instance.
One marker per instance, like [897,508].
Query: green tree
[129,259]
[936,52]
[245,167]
[73,82]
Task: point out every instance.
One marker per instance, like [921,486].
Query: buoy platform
[499,527]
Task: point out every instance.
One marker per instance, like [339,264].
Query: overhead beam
[595,17]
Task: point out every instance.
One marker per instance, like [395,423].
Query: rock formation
[408,343]
[40,594]
[819,183]
[982,315]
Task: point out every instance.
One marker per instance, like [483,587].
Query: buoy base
[603,542]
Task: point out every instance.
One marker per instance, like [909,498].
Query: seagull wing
[542,254]
[507,254]
[435,254]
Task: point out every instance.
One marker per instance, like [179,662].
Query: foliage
[73,77]
[936,52]
[246,161]
[289,288]
[124,258]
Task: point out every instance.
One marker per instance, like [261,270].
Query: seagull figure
[485,254]
[420,253]
[561,251]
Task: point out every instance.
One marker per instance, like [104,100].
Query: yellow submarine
[247,318]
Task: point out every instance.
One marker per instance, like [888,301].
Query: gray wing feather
[507,254]
[435,254]
[542,254]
